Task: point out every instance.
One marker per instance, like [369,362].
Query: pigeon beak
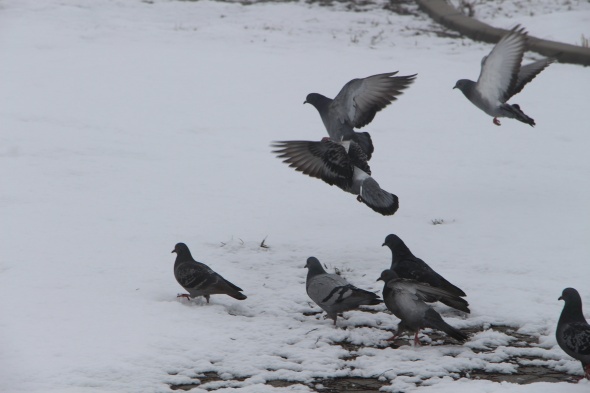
[379,279]
[455,87]
[304,102]
[173,251]
[560,298]
[382,244]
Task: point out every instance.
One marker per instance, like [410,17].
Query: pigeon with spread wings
[356,105]
[343,164]
[502,77]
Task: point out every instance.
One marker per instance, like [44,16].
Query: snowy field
[129,126]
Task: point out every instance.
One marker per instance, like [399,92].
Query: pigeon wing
[360,99]
[195,276]
[324,160]
[321,288]
[576,337]
[358,157]
[528,72]
[499,69]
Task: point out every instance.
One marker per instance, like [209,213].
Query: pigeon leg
[359,198]
[207,297]
[392,338]
[185,295]
[416,340]
[587,371]
[496,121]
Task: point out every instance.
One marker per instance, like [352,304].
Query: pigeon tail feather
[377,199]
[519,114]
[436,321]
[456,303]
[237,295]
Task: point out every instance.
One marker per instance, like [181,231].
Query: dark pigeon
[198,279]
[343,164]
[573,332]
[406,265]
[406,300]
[333,293]
[356,104]
[502,77]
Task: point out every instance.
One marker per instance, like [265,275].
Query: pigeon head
[387,275]
[465,85]
[393,241]
[181,249]
[570,295]
[397,246]
[314,266]
[317,100]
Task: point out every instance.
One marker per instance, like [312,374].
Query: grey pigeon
[198,279]
[406,300]
[343,164]
[408,266]
[573,332]
[356,104]
[333,293]
[502,77]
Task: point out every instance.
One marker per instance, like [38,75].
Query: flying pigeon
[502,77]
[573,332]
[406,300]
[406,265]
[198,279]
[343,164]
[333,293]
[356,104]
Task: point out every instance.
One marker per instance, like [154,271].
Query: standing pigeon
[333,293]
[405,299]
[356,104]
[343,164]
[198,279]
[502,77]
[406,265]
[573,332]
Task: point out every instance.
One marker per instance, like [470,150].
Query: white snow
[129,126]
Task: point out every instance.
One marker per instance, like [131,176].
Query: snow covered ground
[129,126]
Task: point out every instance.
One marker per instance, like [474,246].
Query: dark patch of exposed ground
[525,373]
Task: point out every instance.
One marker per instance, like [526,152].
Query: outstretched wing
[528,72]
[499,69]
[326,160]
[360,99]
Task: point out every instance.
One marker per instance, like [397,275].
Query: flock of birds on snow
[342,160]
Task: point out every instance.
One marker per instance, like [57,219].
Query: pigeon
[198,279]
[406,265]
[356,104]
[343,164]
[333,293]
[406,300]
[573,332]
[502,77]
